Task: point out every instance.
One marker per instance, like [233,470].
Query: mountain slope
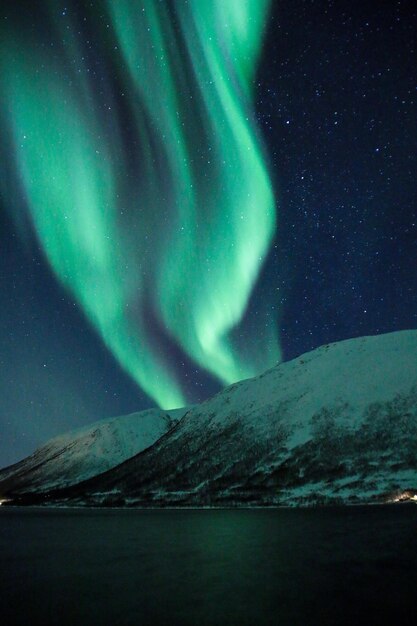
[338,424]
[88,451]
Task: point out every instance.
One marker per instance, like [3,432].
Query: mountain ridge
[335,425]
[92,449]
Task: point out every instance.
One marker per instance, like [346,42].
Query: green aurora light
[164,209]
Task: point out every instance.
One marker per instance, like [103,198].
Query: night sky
[172,276]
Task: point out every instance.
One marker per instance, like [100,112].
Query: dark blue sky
[336,104]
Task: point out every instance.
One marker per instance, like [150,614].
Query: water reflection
[243,567]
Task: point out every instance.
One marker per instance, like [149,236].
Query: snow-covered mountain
[85,452]
[338,424]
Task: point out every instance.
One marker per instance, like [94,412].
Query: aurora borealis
[163,239]
[193,190]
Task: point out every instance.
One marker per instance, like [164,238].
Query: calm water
[243,567]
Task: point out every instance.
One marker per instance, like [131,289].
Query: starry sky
[191,192]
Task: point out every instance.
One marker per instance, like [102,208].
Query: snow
[338,424]
[349,372]
[90,450]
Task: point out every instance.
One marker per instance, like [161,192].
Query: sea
[234,567]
